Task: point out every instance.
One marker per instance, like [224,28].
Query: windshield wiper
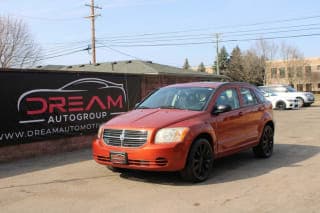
[170,107]
[143,107]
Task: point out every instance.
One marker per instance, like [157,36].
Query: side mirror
[221,109]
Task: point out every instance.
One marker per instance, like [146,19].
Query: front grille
[125,138]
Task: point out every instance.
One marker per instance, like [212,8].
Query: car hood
[293,94]
[286,95]
[152,118]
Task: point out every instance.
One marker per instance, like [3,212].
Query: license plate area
[119,157]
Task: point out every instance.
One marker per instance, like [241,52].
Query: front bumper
[150,157]
[292,104]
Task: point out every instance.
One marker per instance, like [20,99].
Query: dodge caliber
[185,127]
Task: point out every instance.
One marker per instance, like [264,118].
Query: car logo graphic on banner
[82,99]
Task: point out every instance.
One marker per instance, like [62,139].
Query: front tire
[300,102]
[281,105]
[115,169]
[265,147]
[199,162]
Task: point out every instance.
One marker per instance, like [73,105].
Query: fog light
[161,161]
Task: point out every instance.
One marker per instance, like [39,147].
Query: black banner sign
[43,105]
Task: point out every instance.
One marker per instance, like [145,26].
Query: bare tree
[267,51]
[17,48]
[294,63]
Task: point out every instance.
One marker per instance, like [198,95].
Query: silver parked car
[304,98]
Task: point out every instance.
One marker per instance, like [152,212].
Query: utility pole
[93,36]
[217,46]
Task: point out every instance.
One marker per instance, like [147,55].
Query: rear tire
[265,147]
[199,162]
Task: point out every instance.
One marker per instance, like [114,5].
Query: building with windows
[302,74]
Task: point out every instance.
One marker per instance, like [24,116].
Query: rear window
[248,97]
[260,95]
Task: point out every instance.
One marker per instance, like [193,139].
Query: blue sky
[126,26]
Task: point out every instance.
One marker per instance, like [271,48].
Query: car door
[228,126]
[252,112]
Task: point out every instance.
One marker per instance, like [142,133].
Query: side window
[260,95]
[248,97]
[229,97]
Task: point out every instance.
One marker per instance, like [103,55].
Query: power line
[171,38]
[272,32]
[118,51]
[158,38]
[63,51]
[35,59]
[59,45]
[220,27]
[197,35]
[172,44]
[209,36]
[209,42]
[272,38]
[64,54]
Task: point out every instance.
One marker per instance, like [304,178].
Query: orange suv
[184,127]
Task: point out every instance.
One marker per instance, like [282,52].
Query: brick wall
[20,151]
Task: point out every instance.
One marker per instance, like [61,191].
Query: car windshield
[290,89]
[266,92]
[185,98]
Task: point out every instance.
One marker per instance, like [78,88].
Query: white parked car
[281,101]
[304,98]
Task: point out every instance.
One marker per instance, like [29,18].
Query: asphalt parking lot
[72,182]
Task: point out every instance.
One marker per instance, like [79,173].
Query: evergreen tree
[223,57]
[201,67]
[235,68]
[186,65]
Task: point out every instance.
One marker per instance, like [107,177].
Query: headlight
[309,95]
[170,135]
[100,132]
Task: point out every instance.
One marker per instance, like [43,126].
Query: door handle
[240,114]
[261,108]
